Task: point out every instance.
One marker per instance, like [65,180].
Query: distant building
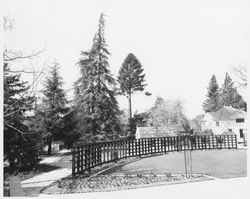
[149,132]
[55,146]
[226,120]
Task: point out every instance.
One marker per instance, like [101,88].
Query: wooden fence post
[165,150]
[81,147]
[77,159]
[139,147]
[236,144]
[73,161]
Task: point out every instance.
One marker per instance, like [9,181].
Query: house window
[230,130]
[241,133]
[217,123]
[239,120]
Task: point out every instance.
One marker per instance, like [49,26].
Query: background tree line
[227,95]
[32,122]
[93,115]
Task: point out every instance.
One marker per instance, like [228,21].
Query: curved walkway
[33,185]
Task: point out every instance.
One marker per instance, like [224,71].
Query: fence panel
[87,156]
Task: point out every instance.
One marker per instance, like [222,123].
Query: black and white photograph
[125,99]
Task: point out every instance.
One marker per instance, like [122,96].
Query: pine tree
[21,144]
[131,78]
[96,101]
[230,95]
[52,109]
[212,102]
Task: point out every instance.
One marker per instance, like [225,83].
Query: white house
[226,119]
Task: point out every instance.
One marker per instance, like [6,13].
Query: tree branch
[35,82]
[13,56]
[241,73]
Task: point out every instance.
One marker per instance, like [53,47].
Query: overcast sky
[179,43]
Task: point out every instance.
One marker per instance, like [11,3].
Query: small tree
[195,123]
[230,96]
[212,103]
[131,78]
[52,109]
[170,112]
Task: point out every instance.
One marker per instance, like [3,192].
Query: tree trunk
[12,161]
[49,146]
[130,106]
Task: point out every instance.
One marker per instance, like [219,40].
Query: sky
[180,44]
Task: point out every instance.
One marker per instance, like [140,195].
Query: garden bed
[103,183]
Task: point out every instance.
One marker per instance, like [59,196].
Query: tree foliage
[141,119]
[97,107]
[52,109]
[21,145]
[131,78]
[212,103]
[226,96]
[195,123]
[71,133]
[170,112]
[230,95]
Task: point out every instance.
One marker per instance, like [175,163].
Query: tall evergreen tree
[52,109]
[213,97]
[96,101]
[230,95]
[21,144]
[131,78]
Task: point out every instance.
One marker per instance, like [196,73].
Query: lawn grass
[217,163]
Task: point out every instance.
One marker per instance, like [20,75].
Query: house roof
[171,130]
[226,113]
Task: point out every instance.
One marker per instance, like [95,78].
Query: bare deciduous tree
[241,73]
[12,57]
[8,23]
